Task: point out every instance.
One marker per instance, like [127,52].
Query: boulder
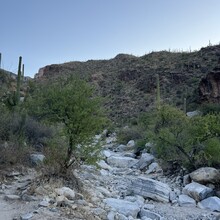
[149,188]
[145,160]
[107,153]
[154,168]
[197,191]
[104,165]
[149,214]
[137,199]
[205,175]
[121,148]
[209,87]
[123,207]
[185,200]
[12,197]
[193,113]
[37,159]
[131,144]
[27,216]
[66,191]
[211,203]
[121,162]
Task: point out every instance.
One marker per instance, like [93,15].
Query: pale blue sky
[57,31]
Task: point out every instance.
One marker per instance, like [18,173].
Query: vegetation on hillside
[59,116]
[128,83]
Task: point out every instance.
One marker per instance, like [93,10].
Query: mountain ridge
[128,82]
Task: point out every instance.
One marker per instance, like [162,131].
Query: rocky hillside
[128,83]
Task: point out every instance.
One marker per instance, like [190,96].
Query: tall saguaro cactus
[184,105]
[158,92]
[18,80]
[22,74]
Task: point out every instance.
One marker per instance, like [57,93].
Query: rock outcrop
[209,87]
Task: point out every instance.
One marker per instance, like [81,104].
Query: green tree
[71,104]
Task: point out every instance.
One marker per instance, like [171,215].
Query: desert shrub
[4,124]
[193,142]
[210,108]
[128,133]
[11,153]
[36,133]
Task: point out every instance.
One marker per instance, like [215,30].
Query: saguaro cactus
[18,80]
[22,74]
[158,92]
[184,105]
[0,60]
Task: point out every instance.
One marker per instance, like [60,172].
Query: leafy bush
[36,133]
[210,108]
[128,133]
[193,142]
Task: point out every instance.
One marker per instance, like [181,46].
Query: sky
[48,32]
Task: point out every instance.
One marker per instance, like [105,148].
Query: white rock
[121,162]
[149,206]
[44,204]
[149,214]
[107,153]
[104,165]
[123,207]
[145,160]
[149,188]
[104,172]
[104,191]
[66,191]
[37,159]
[185,200]
[121,148]
[131,144]
[26,216]
[211,203]
[12,197]
[197,191]
[111,215]
[193,113]
[154,168]
[120,217]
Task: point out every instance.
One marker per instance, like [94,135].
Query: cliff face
[209,87]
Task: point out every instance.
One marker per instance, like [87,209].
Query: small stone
[74,207]
[211,203]
[26,216]
[67,192]
[44,204]
[186,179]
[197,191]
[149,206]
[12,174]
[37,159]
[12,197]
[186,201]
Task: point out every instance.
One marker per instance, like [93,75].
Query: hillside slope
[128,83]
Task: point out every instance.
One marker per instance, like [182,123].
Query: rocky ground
[111,192]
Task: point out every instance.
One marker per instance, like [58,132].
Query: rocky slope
[124,187]
[128,83]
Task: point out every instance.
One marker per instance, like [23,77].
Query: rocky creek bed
[124,187]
